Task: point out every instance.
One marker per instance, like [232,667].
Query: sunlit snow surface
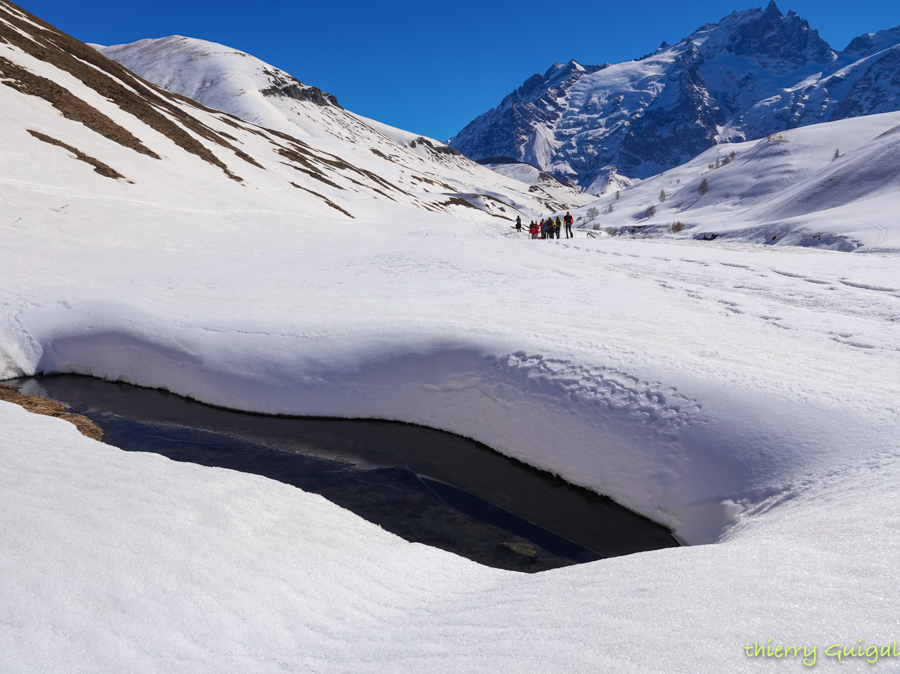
[834,185]
[740,393]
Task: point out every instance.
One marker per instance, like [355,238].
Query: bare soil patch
[99,166]
[139,98]
[68,104]
[49,408]
[323,198]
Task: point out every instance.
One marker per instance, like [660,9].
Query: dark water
[424,485]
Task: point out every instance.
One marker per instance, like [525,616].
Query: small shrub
[703,188]
[676,227]
[650,212]
[662,196]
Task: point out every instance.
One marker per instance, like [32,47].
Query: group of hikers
[549,228]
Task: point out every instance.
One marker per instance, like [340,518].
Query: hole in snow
[424,485]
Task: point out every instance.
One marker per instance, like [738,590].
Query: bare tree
[662,196]
[592,213]
[650,212]
[618,195]
[610,209]
[703,188]
[837,155]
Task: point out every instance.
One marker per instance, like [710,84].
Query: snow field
[658,391]
[740,393]
[112,560]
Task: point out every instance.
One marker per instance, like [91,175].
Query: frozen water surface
[424,485]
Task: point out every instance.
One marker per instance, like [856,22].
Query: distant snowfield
[788,188]
[742,394]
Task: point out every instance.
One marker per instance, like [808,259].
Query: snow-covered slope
[233,81]
[755,72]
[834,185]
[242,85]
[744,395]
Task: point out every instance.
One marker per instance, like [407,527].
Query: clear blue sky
[433,67]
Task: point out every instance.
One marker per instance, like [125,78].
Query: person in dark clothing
[557,226]
[518,223]
[568,221]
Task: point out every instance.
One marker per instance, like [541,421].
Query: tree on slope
[703,188]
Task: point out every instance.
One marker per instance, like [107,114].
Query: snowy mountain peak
[755,72]
[777,41]
[206,72]
[869,43]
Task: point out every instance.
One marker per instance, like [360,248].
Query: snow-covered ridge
[753,73]
[220,78]
[240,84]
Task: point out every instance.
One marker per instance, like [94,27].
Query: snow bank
[114,559]
[658,396]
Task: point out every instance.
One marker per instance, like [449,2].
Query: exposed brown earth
[379,153]
[99,166]
[298,151]
[120,86]
[69,105]
[314,174]
[39,405]
[456,201]
[323,198]
[232,121]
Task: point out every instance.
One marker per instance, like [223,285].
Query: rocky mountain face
[751,74]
